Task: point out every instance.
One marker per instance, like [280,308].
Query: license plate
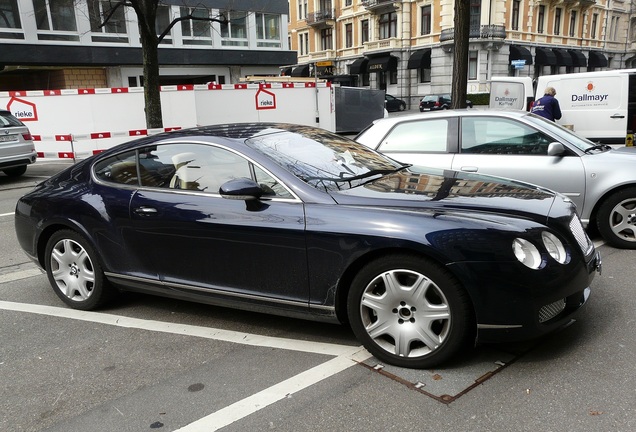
[427,109]
[7,138]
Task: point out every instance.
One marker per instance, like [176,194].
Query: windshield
[322,159]
[561,132]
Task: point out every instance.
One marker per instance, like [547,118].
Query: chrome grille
[548,312]
[581,236]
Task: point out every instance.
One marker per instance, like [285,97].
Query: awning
[300,71]
[286,71]
[382,64]
[563,58]
[597,59]
[420,59]
[359,66]
[518,52]
[545,57]
[578,59]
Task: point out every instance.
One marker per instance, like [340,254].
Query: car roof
[462,112]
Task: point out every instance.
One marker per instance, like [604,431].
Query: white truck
[600,106]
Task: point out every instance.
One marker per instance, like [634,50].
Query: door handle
[469,169]
[145,211]
[617,116]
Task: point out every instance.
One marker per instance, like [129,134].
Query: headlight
[526,253]
[554,247]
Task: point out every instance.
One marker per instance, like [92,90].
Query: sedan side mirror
[556,149]
[241,189]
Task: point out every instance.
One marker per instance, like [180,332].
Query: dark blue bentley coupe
[297,221]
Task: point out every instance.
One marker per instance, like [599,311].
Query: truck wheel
[616,219]
[410,312]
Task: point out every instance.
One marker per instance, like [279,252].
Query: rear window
[8,120]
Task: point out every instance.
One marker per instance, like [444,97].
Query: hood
[452,190]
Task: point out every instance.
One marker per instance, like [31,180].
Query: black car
[435,102]
[392,103]
[297,221]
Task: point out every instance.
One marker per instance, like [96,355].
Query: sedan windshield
[565,134]
[322,159]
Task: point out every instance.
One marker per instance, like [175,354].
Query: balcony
[322,18]
[382,45]
[492,31]
[380,6]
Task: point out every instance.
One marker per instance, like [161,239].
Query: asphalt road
[147,363]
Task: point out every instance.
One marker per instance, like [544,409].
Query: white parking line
[7,214]
[346,356]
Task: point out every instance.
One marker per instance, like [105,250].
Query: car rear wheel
[410,312]
[15,171]
[616,219]
[74,273]
[402,106]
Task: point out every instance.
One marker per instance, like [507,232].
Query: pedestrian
[547,106]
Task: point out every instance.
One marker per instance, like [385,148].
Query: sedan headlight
[554,247]
[526,253]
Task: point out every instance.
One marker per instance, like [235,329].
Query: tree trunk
[460,53]
[152,95]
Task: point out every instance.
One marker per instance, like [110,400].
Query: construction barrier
[77,123]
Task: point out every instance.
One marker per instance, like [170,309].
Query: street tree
[460,53]
[146,11]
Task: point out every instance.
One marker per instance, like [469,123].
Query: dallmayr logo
[590,96]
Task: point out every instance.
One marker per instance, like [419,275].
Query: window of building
[195,32]
[472,65]
[426,20]
[388,25]
[56,15]
[234,31]
[302,9]
[557,21]
[163,21]
[393,77]
[540,18]
[613,28]
[9,14]
[348,35]
[348,2]
[326,39]
[364,26]
[99,10]
[268,30]
[594,25]
[475,14]
[425,75]
[572,23]
[303,43]
[514,21]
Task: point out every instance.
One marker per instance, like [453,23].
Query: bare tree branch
[222,20]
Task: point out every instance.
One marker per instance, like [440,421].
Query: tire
[15,171]
[74,272]
[616,219]
[402,106]
[427,308]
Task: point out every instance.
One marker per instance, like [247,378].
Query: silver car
[518,145]
[16,145]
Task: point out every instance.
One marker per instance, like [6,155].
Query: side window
[269,185]
[121,169]
[417,136]
[485,135]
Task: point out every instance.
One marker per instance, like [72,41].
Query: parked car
[516,144]
[16,145]
[394,104]
[435,102]
[297,221]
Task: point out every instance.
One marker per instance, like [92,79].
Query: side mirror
[243,189]
[556,149]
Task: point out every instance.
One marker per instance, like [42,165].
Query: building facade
[406,47]
[60,44]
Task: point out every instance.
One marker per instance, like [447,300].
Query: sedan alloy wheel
[409,312]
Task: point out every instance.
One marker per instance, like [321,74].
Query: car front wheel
[410,312]
[616,219]
[402,106]
[74,273]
